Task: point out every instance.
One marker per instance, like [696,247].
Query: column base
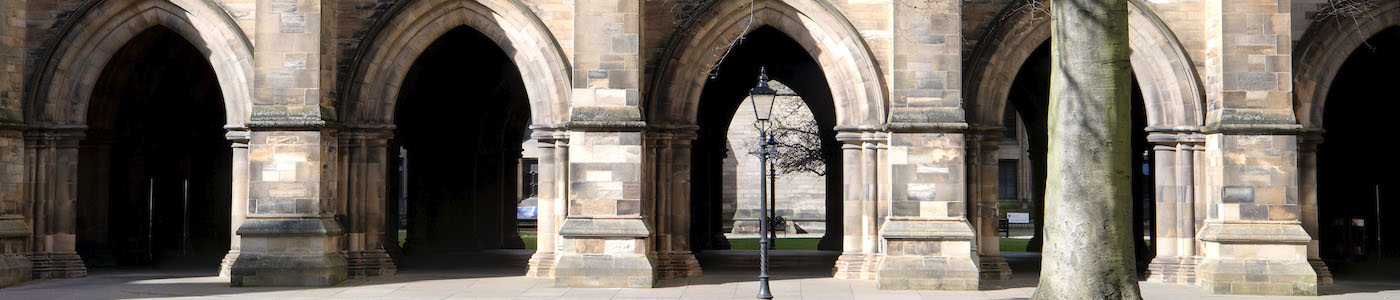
[288,269]
[927,255]
[57,265]
[541,265]
[1256,259]
[851,266]
[1173,269]
[1164,269]
[14,269]
[994,267]
[372,263]
[679,264]
[226,265]
[1324,274]
[291,251]
[604,253]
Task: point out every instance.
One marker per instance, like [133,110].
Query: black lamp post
[762,97]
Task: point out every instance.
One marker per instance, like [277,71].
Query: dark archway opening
[155,169]
[1356,180]
[1029,101]
[786,62]
[461,118]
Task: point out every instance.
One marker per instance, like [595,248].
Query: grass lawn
[1013,245]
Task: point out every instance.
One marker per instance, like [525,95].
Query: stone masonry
[1233,91]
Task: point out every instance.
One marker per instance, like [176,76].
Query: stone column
[290,236]
[561,184]
[870,210]
[851,263]
[1307,200]
[927,237]
[365,153]
[983,181]
[52,168]
[15,267]
[542,262]
[1163,267]
[1176,180]
[671,192]
[238,198]
[1186,173]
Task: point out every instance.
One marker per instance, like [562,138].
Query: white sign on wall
[1018,218]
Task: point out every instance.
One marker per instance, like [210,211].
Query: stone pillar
[927,237]
[238,198]
[15,267]
[561,184]
[365,157]
[52,165]
[1186,225]
[605,239]
[542,262]
[1163,267]
[1253,240]
[670,179]
[851,263]
[290,236]
[1307,201]
[870,207]
[1176,179]
[983,171]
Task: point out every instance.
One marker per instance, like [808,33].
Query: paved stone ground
[799,275]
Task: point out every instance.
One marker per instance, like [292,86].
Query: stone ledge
[927,119]
[289,226]
[601,117]
[632,228]
[1227,233]
[13,226]
[935,230]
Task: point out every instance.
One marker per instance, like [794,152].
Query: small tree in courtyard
[798,138]
[1088,228]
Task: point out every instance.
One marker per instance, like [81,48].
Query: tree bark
[1088,252]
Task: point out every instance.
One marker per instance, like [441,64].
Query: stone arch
[1319,55]
[397,39]
[857,86]
[72,63]
[1170,85]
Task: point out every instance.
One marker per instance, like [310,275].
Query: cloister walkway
[728,275]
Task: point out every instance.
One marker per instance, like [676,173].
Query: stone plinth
[927,255]
[289,252]
[14,267]
[1256,259]
[604,253]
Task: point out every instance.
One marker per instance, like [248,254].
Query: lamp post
[762,97]
[773,203]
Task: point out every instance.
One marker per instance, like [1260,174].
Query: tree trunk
[1088,252]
